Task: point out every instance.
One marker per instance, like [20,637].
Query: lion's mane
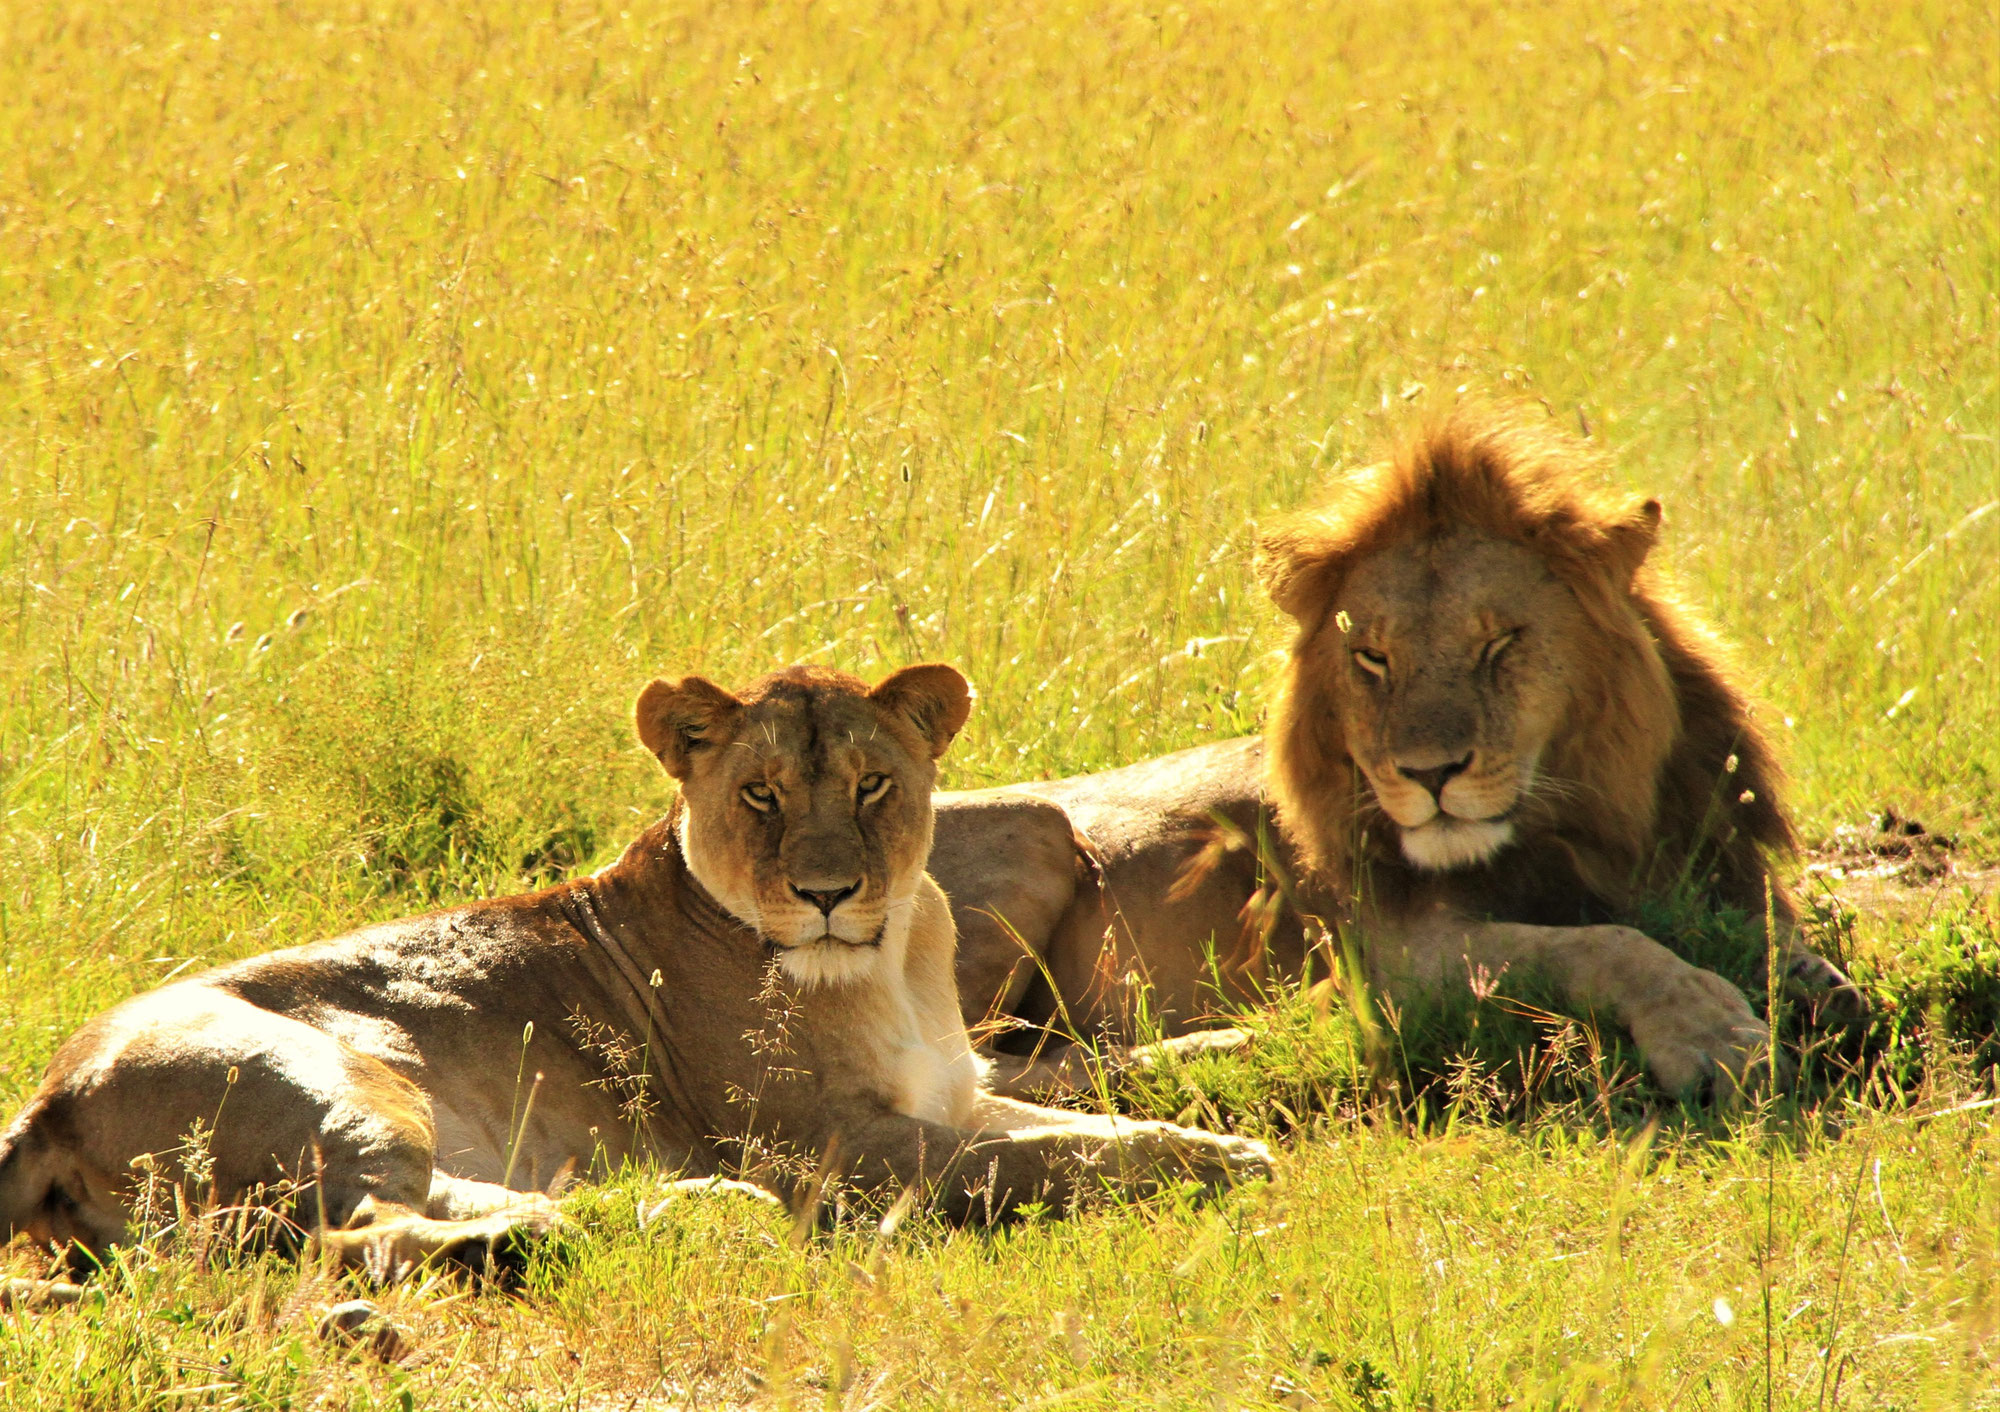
[1667,775]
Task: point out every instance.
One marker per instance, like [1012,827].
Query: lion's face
[806,802]
[1451,661]
[1476,664]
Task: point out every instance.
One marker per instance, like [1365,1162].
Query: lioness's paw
[1248,1160]
[1182,1048]
[1175,1153]
[359,1324]
[704,1188]
[35,1294]
[388,1247]
[497,1247]
[1830,1000]
[1700,1038]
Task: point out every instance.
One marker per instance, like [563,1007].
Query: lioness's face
[807,802]
[1455,659]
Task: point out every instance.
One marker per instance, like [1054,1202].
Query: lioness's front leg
[1690,1024]
[1135,1153]
[1065,1069]
[1021,1154]
[477,1225]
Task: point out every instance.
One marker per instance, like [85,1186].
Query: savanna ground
[388,390]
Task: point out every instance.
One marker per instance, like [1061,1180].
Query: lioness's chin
[830,961]
[1446,843]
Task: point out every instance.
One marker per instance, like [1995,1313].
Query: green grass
[387,392]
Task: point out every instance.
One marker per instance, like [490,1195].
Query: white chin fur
[1446,843]
[828,962]
[825,960]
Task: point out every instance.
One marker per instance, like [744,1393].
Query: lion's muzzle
[1446,842]
[1450,815]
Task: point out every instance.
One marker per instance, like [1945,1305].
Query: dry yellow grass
[387,390]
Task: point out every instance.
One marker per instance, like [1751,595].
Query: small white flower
[1724,1315]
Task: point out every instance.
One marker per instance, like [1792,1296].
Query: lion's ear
[933,696]
[678,717]
[1630,538]
[1297,567]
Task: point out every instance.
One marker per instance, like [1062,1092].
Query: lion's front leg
[1693,1028]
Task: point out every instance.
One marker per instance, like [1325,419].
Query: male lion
[768,972]
[1496,734]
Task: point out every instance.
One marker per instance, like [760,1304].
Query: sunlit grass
[386,392]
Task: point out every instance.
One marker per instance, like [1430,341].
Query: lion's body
[434,1075]
[1497,734]
[1091,872]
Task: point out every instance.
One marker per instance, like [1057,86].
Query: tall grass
[387,390]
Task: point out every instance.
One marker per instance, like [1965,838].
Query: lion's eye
[1371,662]
[872,788]
[760,797]
[1490,653]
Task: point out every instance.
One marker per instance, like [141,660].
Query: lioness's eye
[872,788]
[1492,650]
[759,796]
[1371,662]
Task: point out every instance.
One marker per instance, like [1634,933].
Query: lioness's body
[391,1052]
[1496,735]
[384,1064]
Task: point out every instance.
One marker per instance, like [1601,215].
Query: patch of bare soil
[1894,865]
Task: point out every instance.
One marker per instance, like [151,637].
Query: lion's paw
[1246,1159]
[1701,1038]
[34,1294]
[1829,999]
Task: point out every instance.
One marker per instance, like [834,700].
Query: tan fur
[1497,731]
[778,998]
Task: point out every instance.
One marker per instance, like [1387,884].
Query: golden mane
[1670,777]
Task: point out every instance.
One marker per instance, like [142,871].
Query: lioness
[1497,732]
[770,965]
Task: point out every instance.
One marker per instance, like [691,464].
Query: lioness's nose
[827,898]
[1436,777]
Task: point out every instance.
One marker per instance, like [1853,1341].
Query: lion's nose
[827,898]
[1436,777]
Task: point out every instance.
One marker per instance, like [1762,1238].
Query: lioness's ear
[677,717]
[932,695]
[1630,538]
